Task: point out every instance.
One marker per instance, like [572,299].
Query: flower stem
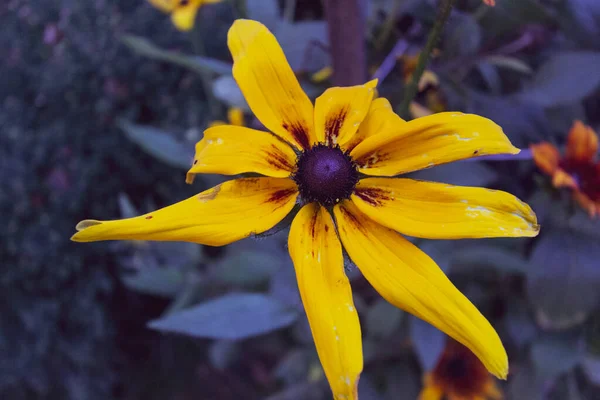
[411,88]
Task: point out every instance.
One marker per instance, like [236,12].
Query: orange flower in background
[577,170]
[183,12]
[459,375]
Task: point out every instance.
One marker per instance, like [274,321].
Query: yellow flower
[577,170]
[338,159]
[235,116]
[183,12]
[460,376]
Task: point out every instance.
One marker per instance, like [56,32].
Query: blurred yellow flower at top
[183,12]
[577,169]
[235,116]
[338,160]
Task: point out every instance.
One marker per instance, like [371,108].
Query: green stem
[411,88]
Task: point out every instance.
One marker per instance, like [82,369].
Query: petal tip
[86,223]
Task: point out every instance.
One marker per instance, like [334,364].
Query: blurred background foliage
[102,102]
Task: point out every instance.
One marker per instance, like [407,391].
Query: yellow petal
[381,119]
[582,143]
[269,84]
[184,15]
[440,211]
[230,150]
[407,278]
[431,140]
[215,217]
[340,110]
[327,297]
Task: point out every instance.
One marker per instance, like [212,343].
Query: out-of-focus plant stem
[388,25]
[346,24]
[198,46]
[412,87]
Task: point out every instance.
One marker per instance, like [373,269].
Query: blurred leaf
[510,16]
[382,319]
[458,173]
[580,21]
[366,389]
[223,353]
[293,367]
[489,256]
[563,279]
[511,63]
[554,354]
[159,144]
[564,78]
[582,223]
[226,89]
[283,286]
[402,381]
[303,42]
[247,267]
[490,75]
[233,316]
[519,324]
[301,391]
[591,368]
[525,384]
[164,282]
[265,11]
[440,251]
[429,342]
[525,10]
[200,65]
[462,36]
[126,207]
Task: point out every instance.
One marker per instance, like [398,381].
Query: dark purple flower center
[325,174]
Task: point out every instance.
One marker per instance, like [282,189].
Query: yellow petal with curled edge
[268,83]
[432,140]
[440,211]
[381,119]
[407,278]
[230,150]
[215,217]
[340,110]
[325,290]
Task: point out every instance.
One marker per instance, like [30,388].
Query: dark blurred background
[101,104]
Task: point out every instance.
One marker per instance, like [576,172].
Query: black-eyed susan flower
[235,116]
[183,12]
[578,169]
[459,375]
[337,159]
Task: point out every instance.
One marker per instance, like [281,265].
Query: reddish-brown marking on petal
[277,159]
[374,196]
[353,220]
[280,197]
[149,217]
[299,132]
[326,228]
[334,123]
[372,158]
